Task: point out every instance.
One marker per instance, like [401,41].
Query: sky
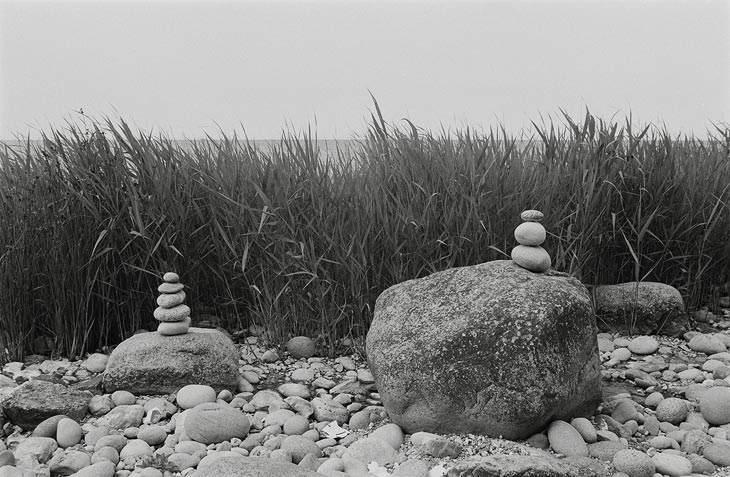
[187,69]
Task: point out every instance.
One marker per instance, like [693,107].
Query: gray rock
[651,307]
[149,363]
[518,466]
[35,401]
[210,423]
[69,462]
[230,466]
[488,349]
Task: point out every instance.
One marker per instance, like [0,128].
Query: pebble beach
[666,408]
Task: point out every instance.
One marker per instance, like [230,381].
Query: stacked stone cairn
[530,234]
[171,312]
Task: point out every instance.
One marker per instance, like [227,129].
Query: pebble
[585,429]
[531,215]
[300,446]
[301,347]
[565,439]
[370,449]
[643,345]
[672,410]
[68,433]
[707,344]
[189,396]
[715,406]
[671,464]
[717,453]
[123,398]
[96,362]
[634,463]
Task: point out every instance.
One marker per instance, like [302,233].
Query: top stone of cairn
[531,215]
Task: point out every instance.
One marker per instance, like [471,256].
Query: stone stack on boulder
[488,349]
[171,312]
[530,234]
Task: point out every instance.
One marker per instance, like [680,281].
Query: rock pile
[530,234]
[171,312]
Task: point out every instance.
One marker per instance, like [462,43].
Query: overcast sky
[190,68]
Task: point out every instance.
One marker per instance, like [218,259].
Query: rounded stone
[532,215]
[68,433]
[171,277]
[211,423]
[530,234]
[717,453]
[48,427]
[715,405]
[7,458]
[177,313]
[107,453]
[585,429]
[634,463]
[96,362]
[135,449]
[296,425]
[193,394]
[169,300]
[671,464]
[152,435]
[370,449]
[565,439]
[300,446]
[390,433]
[707,344]
[174,328]
[301,347]
[643,345]
[672,410]
[534,259]
[123,398]
[170,287]
[653,399]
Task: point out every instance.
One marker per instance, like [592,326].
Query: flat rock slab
[252,467]
[519,466]
[35,401]
[150,363]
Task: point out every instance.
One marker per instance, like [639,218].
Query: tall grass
[303,243]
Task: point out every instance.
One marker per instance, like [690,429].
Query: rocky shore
[665,411]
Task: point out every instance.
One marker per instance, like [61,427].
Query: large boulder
[35,401]
[645,308]
[489,349]
[150,363]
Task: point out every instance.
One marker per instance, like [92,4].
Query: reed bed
[303,243]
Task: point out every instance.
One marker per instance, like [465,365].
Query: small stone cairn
[171,312]
[530,234]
